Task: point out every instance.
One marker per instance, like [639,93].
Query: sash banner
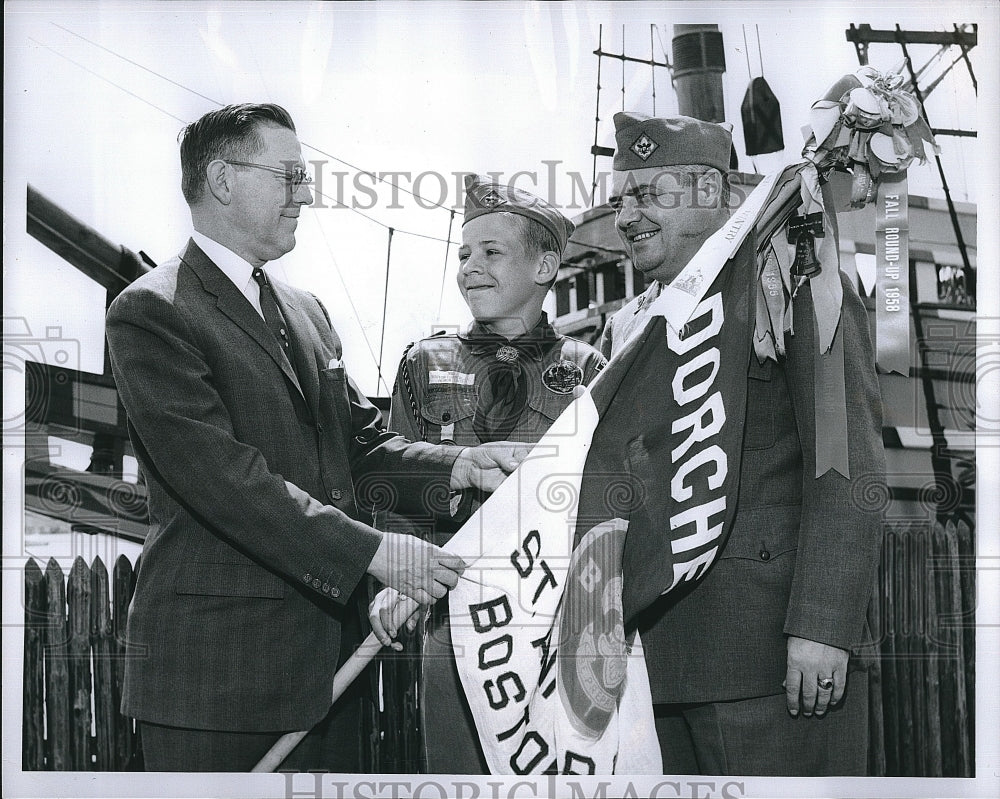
[630,494]
[892,275]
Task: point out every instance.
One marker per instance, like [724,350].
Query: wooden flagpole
[347,674]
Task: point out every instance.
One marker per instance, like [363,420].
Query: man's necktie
[272,313]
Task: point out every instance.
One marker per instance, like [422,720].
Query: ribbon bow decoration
[869,125]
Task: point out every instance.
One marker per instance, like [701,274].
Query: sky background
[96,93]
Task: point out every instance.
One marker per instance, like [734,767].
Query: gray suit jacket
[253,471]
[801,557]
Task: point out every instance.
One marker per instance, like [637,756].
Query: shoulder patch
[562,377]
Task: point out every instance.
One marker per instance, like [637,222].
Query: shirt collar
[535,343]
[646,298]
[233,266]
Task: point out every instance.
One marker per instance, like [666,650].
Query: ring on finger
[825,684]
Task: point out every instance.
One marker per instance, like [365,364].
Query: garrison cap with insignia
[643,141]
[483,196]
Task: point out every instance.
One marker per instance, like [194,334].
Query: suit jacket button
[307,577]
[316,583]
[336,494]
[334,592]
[446,417]
[765,555]
[326,588]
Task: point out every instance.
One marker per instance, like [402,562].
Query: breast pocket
[335,407]
[333,384]
[549,404]
[759,430]
[445,411]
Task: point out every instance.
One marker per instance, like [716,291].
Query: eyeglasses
[295,177]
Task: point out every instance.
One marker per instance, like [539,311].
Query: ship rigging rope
[652,66]
[447,241]
[347,294]
[385,305]
[623,67]
[392,230]
[444,270]
[373,175]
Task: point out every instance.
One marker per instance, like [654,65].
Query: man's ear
[217,178]
[708,189]
[548,266]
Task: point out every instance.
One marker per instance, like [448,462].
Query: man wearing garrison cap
[749,668]
[507,378]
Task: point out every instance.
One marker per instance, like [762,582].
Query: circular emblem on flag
[644,147]
[593,656]
[562,377]
[507,354]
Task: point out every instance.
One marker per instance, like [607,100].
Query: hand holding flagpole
[346,675]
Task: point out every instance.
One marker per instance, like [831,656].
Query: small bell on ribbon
[802,232]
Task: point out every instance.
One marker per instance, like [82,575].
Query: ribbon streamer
[892,278]
[769,335]
[831,410]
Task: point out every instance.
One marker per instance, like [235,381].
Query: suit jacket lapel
[302,346]
[231,301]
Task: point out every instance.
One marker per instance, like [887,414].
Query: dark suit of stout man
[253,441]
[749,669]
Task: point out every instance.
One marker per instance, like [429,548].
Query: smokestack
[699,61]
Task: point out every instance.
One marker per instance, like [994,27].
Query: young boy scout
[506,379]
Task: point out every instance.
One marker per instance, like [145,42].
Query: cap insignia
[491,199]
[644,147]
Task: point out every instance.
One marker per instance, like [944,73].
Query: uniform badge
[507,354]
[491,199]
[644,147]
[562,377]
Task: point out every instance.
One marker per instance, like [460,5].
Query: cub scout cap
[642,141]
[483,196]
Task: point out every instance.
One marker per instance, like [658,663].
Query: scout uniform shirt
[475,387]
[442,379]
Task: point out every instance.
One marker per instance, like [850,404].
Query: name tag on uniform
[436,377]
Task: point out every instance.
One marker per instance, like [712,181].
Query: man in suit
[749,668]
[257,449]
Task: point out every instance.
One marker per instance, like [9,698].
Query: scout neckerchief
[504,392]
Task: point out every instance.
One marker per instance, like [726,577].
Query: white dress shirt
[232,266]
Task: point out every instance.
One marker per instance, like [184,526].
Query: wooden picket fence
[924,686]
[921,699]
[74,668]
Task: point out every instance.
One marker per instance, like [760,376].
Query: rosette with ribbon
[869,125]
